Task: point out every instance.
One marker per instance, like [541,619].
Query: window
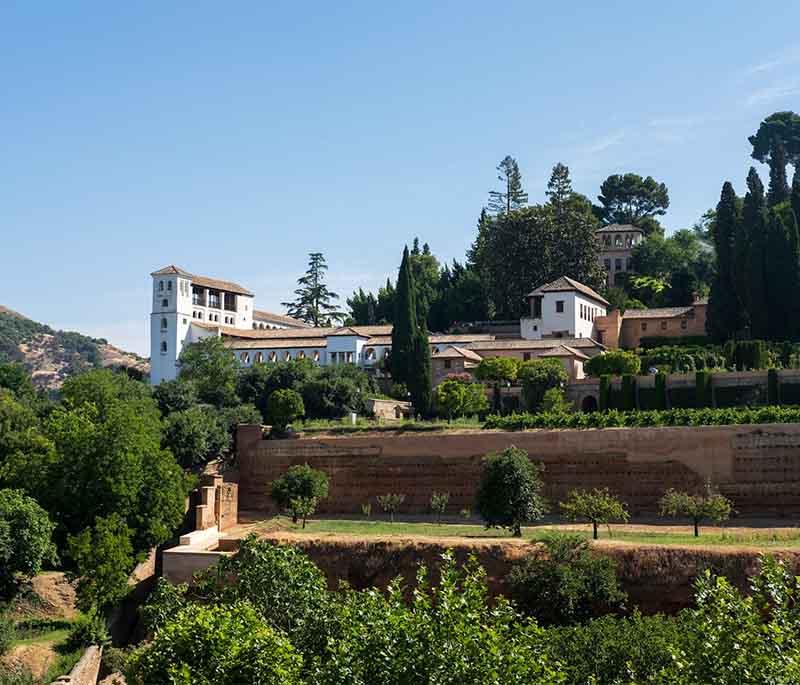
[301,355]
[287,356]
[161,285]
[448,363]
[316,355]
[618,264]
[617,240]
[163,324]
[259,357]
[663,325]
[535,328]
[165,303]
[683,324]
[644,325]
[526,356]
[164,347]
[169,285]
[245,357]
[607,264]
[184,322]
[214,299]
[629,264]
[560,306]
[273,357]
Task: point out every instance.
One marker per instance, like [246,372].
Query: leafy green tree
[314,302]
[87,630]
[631,199]
[708,505]
[15,377]
[284,407]
[777,142]
[568,585]
[425,269]
[555,401]
[438,503]
[103,558]
[26,543]
[614,363]
[724,307]
[456,397]
[333,391]
[497,371]
[512,196]
[235,644]
[754,219]
[510,490]
[363,309]
[256,383]
[596,506]
[213,369]
[103,389]
[537,377]
[390,503]
[302,508]
[300,482]
[420,381]
[195,435]
[783,284]
[175,395]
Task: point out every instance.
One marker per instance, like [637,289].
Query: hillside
[52,355]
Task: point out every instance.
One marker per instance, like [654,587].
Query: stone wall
[757,466]
[86,670]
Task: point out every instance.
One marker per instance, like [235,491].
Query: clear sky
[233,138]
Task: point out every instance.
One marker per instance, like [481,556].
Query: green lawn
[670,535]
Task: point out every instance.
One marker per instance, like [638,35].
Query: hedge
[739,395]
[696,340]
[638,419]
[790,393]
[682,397]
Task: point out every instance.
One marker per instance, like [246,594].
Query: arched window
[287,355]
[163,346]
[245,357]
[161,285]
[301,355]
[435,350]
[163,324]
[259,357]
[273,357]
[316,355]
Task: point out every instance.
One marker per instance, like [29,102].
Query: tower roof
[205,281]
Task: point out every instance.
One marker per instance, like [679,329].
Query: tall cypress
[754,218]
[792,267]
[796,195]
[420,378]
[782,282]
[778,183]
[405,323]
[724,307]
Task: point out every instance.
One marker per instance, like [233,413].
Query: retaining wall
[758,467]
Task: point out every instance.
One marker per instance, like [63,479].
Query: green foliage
[537,377]
[512,196]
[333,391]
[702,385]
[174,396]
[439,502]
[103,389]
[634,419]
[746,355]
[214,645]
[772,387]
[194,435]
[613,363]
[7,634]
[510,490]
[284,407]
[390,503]
[555,401]
[604,393]
[568,584]
[497,369]
[87,630]
[314,301]
[628,399]
[164,603]
[406,323]
[455,398]
[683,358]
[708,505]
[295,489]
[15,378]
[598,506]
[302,508]
[631,199]
[26,542]
[213,369]
[103,557]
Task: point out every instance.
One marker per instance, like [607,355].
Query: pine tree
[724,308]
[778,183]
[314,303]
[559,187]
[754,217]
[405,323]
[513,197]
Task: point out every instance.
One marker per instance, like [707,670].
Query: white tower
[169,321]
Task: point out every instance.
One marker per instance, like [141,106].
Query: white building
[187,307]
[563,308]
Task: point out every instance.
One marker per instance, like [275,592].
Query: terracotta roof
[281,344]
[567,284]
[658,313]
[261,315]
[563,351]
[455,352]
[205,281]
[275,334]
[348,330]
[543,344]
[619,228]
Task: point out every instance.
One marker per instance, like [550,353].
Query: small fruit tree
[299,490]
[510,491]
[596,506]
[708,505]
[439,502]
[390,503]
[497,370]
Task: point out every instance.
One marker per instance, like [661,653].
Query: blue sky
[234,138]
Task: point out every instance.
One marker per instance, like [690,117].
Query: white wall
[569,322]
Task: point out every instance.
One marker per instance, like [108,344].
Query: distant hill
[52,355]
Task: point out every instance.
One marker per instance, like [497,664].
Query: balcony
[198,300]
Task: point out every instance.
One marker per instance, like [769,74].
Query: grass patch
[654,534]
[363,425]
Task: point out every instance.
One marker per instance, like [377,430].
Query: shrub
[390,503]
[7,633]
[25,538]
[613,363]
[510,490]
[302,508]
[299,483]
[772,387]
[497,370]
[334,391]
[283,407]
[455,398]
[537,377]
[439,501]
[87,630]
[605,393]
[568,585]
[554,401]
[216,645]
[698,507]
[366,509]
[195,435]
[164,602]
[628,399]
[596,506]
[176,395]
[746,354]
[702,384]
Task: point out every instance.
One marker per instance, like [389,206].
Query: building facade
[616,250]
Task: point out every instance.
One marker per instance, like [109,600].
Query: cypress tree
[778,183]
[754,217]
[405,323]
[724,308]
[796,195]
[420,379]
[782,281]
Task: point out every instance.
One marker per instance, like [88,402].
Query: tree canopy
[314,301]
[631,199]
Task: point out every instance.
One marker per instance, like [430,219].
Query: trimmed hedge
[638,419]
[697,340]
[739,395]
[682,397]
[772,387]
[790,393]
